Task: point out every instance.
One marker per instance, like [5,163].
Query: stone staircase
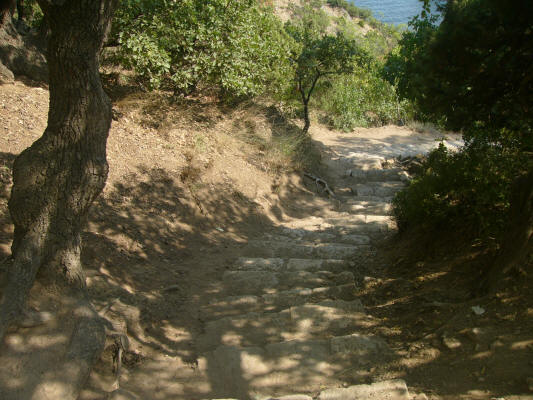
[288,324]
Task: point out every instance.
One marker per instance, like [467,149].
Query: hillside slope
[192,186]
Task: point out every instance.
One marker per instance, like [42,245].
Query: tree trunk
[518,239]
[307,120]
[56,180]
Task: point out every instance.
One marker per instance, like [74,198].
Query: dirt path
[280,315]
[229,283]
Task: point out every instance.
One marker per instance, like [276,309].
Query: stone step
[291,249]
[369,199]
[353,206]
[364,163]
[303,235]
[377,175]
[235,305]
[381,189]
[257,283]
[342,225]
[304,322]
[347,224]
[259,264]
[385,390]
[359,218]
[292,264]
[292,367]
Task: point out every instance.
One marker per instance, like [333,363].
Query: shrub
[236,45]
[471,187]
[363,99]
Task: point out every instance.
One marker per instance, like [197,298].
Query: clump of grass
[292,152]
[423,127]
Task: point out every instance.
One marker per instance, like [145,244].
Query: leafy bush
[470,73]
[405,66]
[236,45]
[471,187]
[363,99]
[32,13]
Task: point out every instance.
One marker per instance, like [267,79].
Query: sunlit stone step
[262,282]
[304,322]
[234,305]
[292,367]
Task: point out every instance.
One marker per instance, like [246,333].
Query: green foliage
[405,66]
[466,188]
[353,10]
[328,55]
[33,15]
[363,99]
[471,73]
[319,55]
[309,22]
[242,49]
[236,45]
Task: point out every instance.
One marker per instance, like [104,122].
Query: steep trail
[287,320]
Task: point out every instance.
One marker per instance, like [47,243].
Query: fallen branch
[318,182]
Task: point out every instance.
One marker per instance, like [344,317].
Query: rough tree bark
[56,180]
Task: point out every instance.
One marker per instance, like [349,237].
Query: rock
[420,396]
[478,310]
[473,334]
[404,176]
[451,343]
[358,344]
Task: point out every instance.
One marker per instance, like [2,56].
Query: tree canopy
[473,73]
[474,70]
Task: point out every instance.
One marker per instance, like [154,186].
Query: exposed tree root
[85,346]
[321,183]
[88,336]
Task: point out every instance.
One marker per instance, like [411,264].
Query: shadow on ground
[155,253]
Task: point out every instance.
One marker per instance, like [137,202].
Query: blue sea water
[391,11]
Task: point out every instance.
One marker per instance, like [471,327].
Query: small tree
[319,54]
[320,58]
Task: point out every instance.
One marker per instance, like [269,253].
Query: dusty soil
[191,182]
